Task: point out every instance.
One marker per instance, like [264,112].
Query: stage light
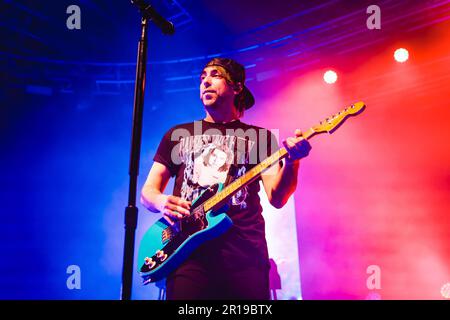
[330,77]
[401,55]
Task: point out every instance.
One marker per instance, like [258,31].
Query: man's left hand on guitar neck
[297,147]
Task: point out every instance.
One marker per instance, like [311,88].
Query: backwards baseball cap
[236,72]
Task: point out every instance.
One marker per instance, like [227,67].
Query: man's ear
[237,87]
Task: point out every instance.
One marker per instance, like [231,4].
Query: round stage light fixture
[330,77]
[401,55]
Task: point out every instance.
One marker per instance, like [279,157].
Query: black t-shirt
[199,154]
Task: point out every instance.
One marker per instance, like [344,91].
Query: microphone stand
[131,211]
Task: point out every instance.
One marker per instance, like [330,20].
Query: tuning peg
[149,262]
[161,255]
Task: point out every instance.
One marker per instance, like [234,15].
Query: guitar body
[179,241]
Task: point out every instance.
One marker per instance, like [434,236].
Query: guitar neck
[250,176]
[329,125]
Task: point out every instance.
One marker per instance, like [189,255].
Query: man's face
[215,90]
[217,158]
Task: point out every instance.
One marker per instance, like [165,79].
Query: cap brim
[249,99]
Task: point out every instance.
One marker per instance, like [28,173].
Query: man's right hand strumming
[172,207]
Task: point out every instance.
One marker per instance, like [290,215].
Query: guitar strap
[231,175]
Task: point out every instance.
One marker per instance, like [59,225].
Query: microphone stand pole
[131,211]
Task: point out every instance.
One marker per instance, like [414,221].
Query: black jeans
[200,280]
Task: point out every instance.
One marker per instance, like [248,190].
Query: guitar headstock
[333,122]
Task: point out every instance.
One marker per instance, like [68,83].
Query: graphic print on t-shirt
[207,160]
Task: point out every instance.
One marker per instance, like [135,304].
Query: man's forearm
[151,199]
[284,183]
